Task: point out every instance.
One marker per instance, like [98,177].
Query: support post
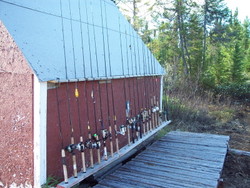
[39,127]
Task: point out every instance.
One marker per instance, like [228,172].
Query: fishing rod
[127,103]
[81,145]
[144,95]
[136,95]
[139,115]
[93,141]
[63,155]
[152,91]
[105,132]
[157,89]
[123,128]
[132,120]
[112,90]
[70,148]
[95,136]
[149,117]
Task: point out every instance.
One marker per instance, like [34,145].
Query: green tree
[237,66]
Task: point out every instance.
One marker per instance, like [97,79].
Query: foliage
[51,182]
[198,42]
[235,90]
[224,115]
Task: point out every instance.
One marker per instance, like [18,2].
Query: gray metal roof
[77,39]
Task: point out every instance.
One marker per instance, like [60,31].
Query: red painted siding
[136,90]
[16,135]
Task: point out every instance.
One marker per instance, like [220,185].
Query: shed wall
[138,91]
[16,148]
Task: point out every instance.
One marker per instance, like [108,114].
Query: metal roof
[76,39]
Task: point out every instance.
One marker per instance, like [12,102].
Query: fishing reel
[122,130]
[160,114]
[144,115]
[80,146]
[105,134]
[155,109]
[130,121]
[149,114]
[93,143]
[139,117]
[70,148]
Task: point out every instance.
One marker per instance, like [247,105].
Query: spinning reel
[122,130]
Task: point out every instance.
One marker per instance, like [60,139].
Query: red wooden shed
[79,89]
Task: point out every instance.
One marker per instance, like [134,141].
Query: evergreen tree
[237,67]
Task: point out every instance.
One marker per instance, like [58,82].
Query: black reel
[133,123]
[70,148]
[137,128]
[92,145]
[97,143]
[80,146]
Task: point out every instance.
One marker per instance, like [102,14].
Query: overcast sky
[242,5]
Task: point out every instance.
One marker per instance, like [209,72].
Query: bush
[235,90]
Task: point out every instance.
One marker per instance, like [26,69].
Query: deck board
[179,159]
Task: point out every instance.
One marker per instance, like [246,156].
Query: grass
[51,182]
[223,115]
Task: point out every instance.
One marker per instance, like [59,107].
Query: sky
[243,7]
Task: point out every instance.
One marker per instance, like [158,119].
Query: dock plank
[179,159]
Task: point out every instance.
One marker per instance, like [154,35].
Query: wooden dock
[177,160]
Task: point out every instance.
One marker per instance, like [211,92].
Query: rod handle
[83,157]
[65,172]
[111,142]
